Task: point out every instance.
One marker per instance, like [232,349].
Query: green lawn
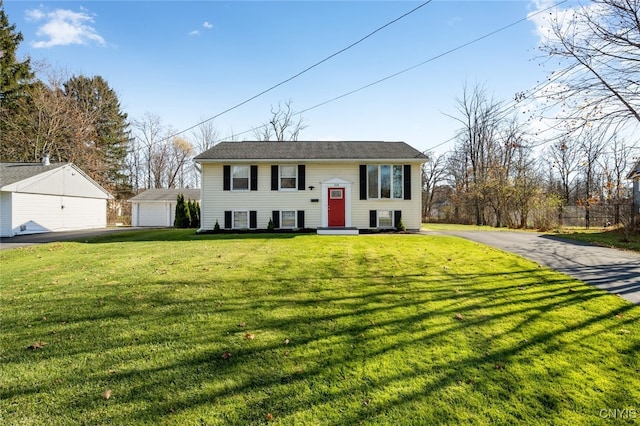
[166,327]
[604,237]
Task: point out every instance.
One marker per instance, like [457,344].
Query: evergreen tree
[15,78]
[14,74]
[194,213]
[182,218]
[97,101]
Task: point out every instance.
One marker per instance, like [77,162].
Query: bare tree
[592,145]
[617,160]
[283,125]
[180,152]
[148,132]
[48,121]
[599,46]
[563,156]
[205,136]
[479,117]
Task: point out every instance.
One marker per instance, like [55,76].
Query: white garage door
[153,214]
[42,213]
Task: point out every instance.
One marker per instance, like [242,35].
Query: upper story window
[289,177]
[240,178]
[385,181]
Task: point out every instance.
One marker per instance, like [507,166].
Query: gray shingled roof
[15,172]
[310,151]
[166,195]
[635,172]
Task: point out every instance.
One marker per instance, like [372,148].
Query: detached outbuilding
[157,207]
[46,197]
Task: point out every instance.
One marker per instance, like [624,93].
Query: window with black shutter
[254,178]
[363,181]
[274,177]
[407,181]
[226,178]
[301,178]
[373,218]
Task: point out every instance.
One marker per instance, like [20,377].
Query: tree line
[79,119]
[501,172]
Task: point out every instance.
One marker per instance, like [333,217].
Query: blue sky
[187,61]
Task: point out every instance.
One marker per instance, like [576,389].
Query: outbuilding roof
[635,172]
[311,150]
[16,172]
[166,195]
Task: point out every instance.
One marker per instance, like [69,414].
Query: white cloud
[206,25]
[453,21]
[545,20]
[63,27]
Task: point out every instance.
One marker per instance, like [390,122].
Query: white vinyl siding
[215,201]
[5,214]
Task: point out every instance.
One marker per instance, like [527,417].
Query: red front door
[336,207]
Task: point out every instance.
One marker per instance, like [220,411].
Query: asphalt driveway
[51,237]
[616,271]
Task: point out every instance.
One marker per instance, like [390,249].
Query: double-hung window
[240,219]
[288,219]
[385,218]
[240,178]
[289,176]
[385,181]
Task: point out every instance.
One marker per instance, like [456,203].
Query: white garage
[157,207]
[43,197]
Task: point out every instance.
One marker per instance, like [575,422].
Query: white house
[43,197]
[334,187]
[157,207]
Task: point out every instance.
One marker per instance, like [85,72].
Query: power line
[303,71]
[448,52]
[366,86]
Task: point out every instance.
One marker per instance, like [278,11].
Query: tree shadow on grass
[372,351]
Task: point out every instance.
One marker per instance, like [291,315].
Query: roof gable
[311,150]
[15,172]
[55,179]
